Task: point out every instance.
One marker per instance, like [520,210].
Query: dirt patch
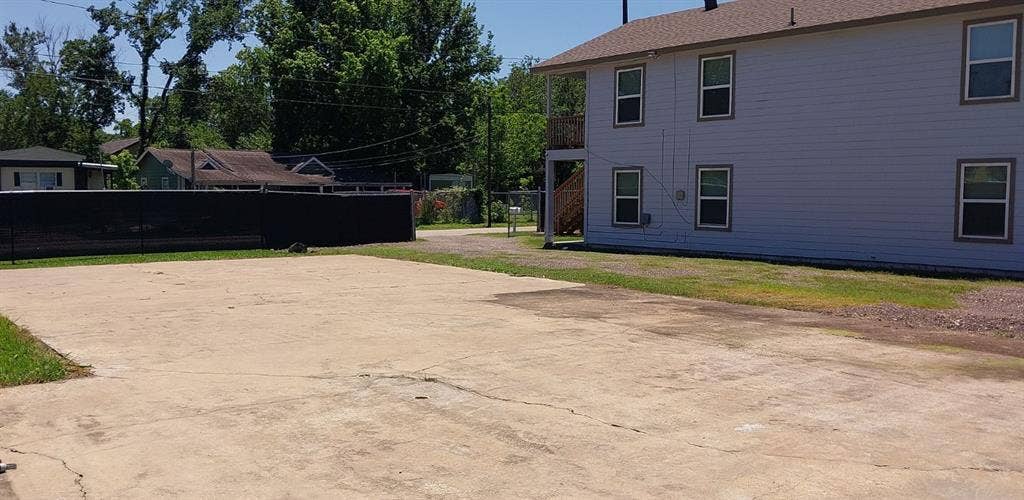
[591,301]
[995,313]
[997,309]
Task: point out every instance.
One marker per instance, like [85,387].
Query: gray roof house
[42,168]
[839,132]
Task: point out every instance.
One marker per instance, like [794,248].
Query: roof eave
[555,69]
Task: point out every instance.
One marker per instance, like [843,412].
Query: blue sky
[521,27]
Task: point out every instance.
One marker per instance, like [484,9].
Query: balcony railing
[565,132]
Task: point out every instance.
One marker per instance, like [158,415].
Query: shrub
[448,206]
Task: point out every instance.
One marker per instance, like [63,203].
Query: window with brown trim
[717,75]
[629,96]
[627,191]
[991,65]
[985,200]
[714,197]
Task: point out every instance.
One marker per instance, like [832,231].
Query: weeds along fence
[71,223]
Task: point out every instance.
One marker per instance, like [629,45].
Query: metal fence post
[263,220]
[10,225]
[142,223]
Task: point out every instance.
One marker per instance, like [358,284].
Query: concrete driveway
[353,376]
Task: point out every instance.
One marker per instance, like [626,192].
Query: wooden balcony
[566,132]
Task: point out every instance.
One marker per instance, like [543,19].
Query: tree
[147,24]
[19,54]
[96,87]
[239,103]
[343,71]
[519,123]
[127,174]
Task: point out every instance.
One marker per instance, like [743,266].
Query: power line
[341,163]
[327,153]
[396,162]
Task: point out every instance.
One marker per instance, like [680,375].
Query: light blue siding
[844,146]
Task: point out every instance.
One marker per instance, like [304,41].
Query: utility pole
[625,11]
[192,179]
[490,167]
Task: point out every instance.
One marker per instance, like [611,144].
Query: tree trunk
[143,98]
[163,105]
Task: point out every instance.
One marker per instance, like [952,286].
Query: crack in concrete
[452,385]
[626,331]
[856,462]
[78,475]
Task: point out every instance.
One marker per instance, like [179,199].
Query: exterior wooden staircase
[569,205]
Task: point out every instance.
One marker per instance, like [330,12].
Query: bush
[499,211]
[449,206]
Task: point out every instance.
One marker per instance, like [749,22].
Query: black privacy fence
[70,223]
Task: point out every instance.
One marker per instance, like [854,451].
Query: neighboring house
[116,146]
[846,131]
[442,181]
[227,169]
[349,175]
[42,169]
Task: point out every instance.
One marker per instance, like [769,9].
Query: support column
[549,203]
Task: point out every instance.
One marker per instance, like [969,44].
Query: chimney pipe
[710,5]
[625,11]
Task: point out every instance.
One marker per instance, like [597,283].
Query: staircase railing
[565,132]
[569,198]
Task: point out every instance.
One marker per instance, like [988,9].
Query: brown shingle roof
[236,167]
[117,145]
[743,20]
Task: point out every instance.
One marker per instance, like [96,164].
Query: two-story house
[882,132]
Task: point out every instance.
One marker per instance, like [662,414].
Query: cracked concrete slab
[354,376]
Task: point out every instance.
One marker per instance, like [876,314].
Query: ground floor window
[714,192]
[165,183]
[985,200]
[627,197]
[38,180]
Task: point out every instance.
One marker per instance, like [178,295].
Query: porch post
[549,203]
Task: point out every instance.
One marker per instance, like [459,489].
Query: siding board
[844,147]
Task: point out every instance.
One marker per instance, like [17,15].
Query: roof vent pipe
[625,11]
[710,5]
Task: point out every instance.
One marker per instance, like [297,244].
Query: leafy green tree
[19,54]
[518,126]
[239,103]
[127,174]
[359,55]
[147,24]
[95,85]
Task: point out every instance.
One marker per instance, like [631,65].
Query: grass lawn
[25,360]
[456,225]
[736,281]
[143,258]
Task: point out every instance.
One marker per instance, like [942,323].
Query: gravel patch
[996,309]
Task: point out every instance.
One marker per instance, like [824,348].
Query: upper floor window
[985,200]
[717,75]
[629,96]
[991,60]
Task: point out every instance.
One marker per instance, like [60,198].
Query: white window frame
[732,80]
[616,197]
[39,180]
[1012,60]
[165,183]
[23,176]
[726,198]
[643,76]
[1007,200]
